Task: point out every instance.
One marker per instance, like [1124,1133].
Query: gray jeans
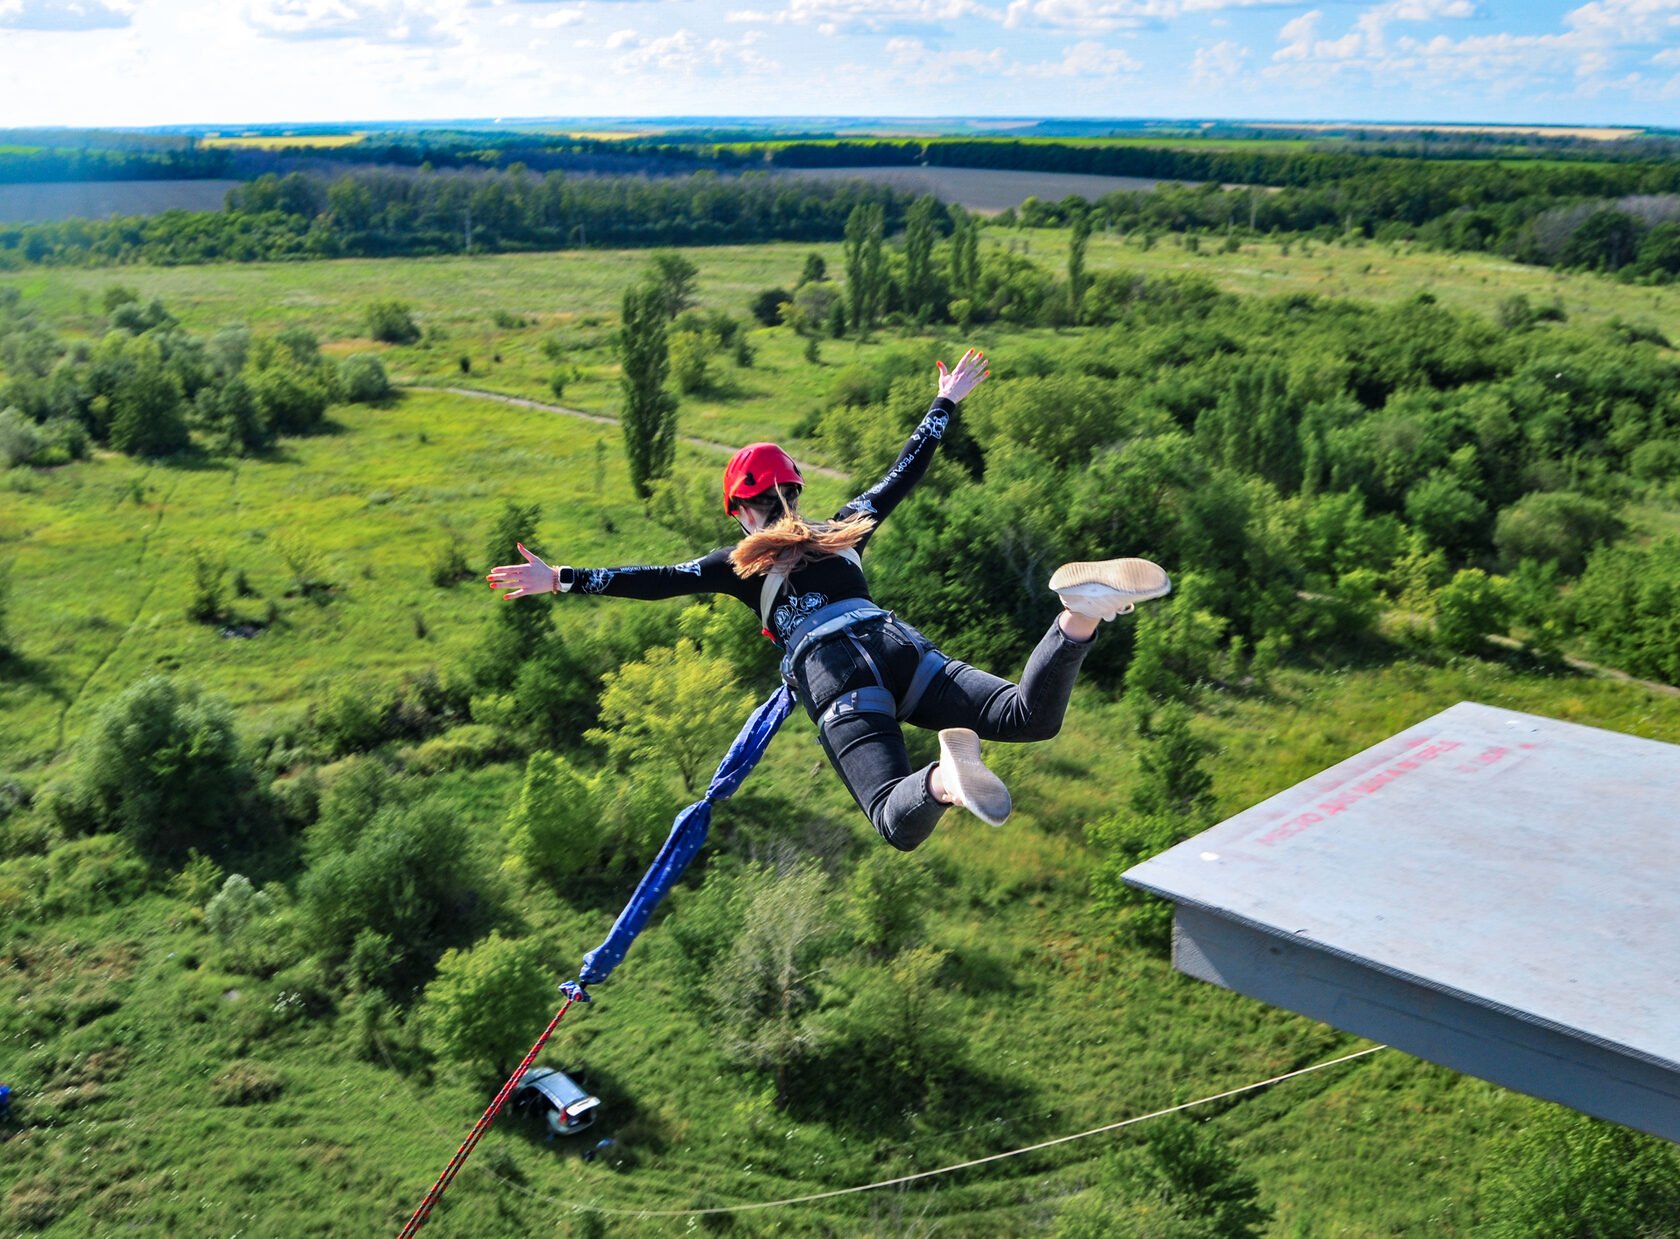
[868,749]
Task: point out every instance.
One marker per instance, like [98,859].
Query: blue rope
[688,832]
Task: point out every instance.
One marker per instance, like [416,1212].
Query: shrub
[485,1002]
[1655,460]
[460,748]
[1628,604]
[235,906]
[690,358]
[403,875]
[390,323]
[1558,527]
[88,875]
[20,438]
[1447,512]
[1468,608]
[766,307]
[1566,1175]
[208,571]
[288,402]
[364,379]
[553,830]
[161,764]
[352,719]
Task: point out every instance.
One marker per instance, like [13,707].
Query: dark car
[559,1100]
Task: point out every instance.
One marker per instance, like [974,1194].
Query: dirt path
[1594,669]
[479,394]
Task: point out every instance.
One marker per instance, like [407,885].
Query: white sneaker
[1109,587]
[968,781]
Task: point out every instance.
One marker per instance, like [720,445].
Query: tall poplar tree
[864,227]
[649,415]
[1079,237]
[919,234]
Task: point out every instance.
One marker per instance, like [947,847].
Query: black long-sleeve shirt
[808,588]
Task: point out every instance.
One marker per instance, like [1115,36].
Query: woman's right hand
[531,577]
[969,373]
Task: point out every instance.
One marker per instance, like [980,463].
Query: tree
[815,269]
[487,1004]
[649,414]
[554,829]
[676,278]
[764,989]
[162,765]
[690,362]
[919,234]
[965,253]
[288,401]
[146,415]
[677,709]
[864,228]
[1607,240]
[1079,237]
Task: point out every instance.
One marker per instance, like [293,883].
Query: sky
[230,62]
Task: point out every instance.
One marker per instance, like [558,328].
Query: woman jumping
[860,670]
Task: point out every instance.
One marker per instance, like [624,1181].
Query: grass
[170,1093]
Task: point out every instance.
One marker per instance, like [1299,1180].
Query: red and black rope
[482,1126]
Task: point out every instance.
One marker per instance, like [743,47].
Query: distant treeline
[383,212]
[48,164]
[1615,217]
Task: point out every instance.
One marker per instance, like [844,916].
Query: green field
[128,1030]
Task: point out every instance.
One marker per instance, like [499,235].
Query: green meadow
[166,1088]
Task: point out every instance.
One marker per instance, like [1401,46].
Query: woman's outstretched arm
[710,574]
[913,461]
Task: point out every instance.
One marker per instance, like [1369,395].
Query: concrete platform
[1492,891]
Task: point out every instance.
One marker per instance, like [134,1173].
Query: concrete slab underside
[1492,891]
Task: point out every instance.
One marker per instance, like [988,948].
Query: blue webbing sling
[688,832]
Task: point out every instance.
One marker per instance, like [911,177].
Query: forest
[271,748]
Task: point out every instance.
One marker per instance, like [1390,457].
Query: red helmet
[755,469]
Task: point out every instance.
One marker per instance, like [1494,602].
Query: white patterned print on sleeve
[597,579]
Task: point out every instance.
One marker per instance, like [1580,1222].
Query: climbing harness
[837,621]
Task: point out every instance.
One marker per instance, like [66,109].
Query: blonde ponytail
[792,542]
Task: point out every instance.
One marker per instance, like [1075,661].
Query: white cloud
[1670,56]
[1089,16]
[1087,58]
[1594,49]
[557,19]
[875,16]
[373,21]
[686,54]
[1218,65]
[64,14]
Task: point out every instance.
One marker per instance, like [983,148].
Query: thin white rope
[928,1174]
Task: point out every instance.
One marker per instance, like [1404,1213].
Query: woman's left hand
[968,374]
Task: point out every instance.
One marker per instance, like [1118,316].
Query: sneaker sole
[976,788]
[1138,580]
